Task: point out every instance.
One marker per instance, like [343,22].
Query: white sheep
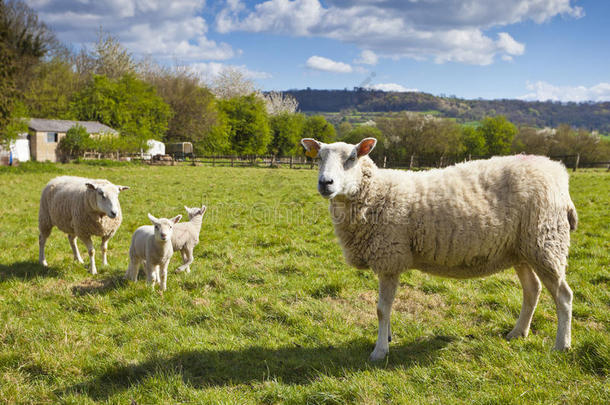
[469,220]
[81,208]
[186,236]
[151,245]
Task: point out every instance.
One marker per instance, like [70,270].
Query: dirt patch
[97,286]
[410,300]
[201,302]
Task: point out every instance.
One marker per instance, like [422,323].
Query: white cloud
[443,30]
[543,91]
[208,70]
[159,28]
[327,65]
[390,87]
[367,57]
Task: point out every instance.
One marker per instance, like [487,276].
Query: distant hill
[589,115]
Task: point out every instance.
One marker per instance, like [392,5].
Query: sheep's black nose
[325,183]
[113,214]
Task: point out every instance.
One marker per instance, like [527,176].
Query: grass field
[270,312]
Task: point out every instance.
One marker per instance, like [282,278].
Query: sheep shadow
[25,271]
[99,286]
[291,365]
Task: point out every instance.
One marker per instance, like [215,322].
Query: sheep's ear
[91,186]
[122,188]
[187,208]
[152,219]
[203,209]
[176,219]
[312,147]
[365,146]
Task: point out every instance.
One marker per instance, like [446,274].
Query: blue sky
[530,49]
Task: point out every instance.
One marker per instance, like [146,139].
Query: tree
[23,42]
[286,129]
[231,83]
[498,133]
[76,141]
[279,103]
[473,140]
[317,127]
[249,131]
[51,89]
[196,117]
[128,105]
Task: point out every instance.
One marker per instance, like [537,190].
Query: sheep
[152,245]
[468,220]
[81,208]
[186,236]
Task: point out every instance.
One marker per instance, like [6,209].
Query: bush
[76,142]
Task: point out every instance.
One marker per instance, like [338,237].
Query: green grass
[270,312]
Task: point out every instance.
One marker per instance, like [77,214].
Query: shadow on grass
[25,271]
[291,365]
[101,287]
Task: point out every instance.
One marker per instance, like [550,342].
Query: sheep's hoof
[561,348]
[378,354]
[80,260]
[515,334]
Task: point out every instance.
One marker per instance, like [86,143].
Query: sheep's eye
[351,158]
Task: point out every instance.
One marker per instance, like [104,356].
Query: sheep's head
[193,212]
[164,227]
[106,197]
[340,169]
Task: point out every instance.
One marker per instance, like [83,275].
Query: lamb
[186,236]
[81,208]
[152,245]
[469,220]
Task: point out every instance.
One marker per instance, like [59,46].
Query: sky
[527,49]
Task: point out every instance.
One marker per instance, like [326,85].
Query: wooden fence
[415,162]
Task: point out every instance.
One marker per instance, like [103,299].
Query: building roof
[45,125]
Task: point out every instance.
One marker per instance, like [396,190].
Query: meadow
[271,313]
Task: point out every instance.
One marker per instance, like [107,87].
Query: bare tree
[232,82]
[279,103]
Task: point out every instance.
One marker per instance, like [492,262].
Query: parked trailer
[179,150]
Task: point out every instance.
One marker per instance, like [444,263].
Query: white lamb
[152,245]
[186,236]
[469,220]
[81,208]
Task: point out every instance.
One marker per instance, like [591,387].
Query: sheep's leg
[387,291]
[104,251]
[187,260]
[42,241]
[163,280]
[74,246]
[133,269]
[91,250]
[562,295]
[531,291]
[151,276]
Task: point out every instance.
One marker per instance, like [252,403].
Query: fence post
[577,161]
[411,163]
[385,159]
[213,160]
[232,160]
[291,162]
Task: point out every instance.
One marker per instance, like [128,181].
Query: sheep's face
[164,227]
[339,168]
[107,197]
[193,212]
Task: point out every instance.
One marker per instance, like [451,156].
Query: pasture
[270,312]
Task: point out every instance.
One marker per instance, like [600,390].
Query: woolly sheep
[152,245]
[469,220]
[81,208]
[186,236]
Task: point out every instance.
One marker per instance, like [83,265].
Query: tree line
[586,115]
[143,100]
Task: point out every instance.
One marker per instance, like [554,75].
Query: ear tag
[312,153]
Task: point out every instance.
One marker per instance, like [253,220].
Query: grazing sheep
[81,208]
[186,236]
[152,244]
[469,220]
